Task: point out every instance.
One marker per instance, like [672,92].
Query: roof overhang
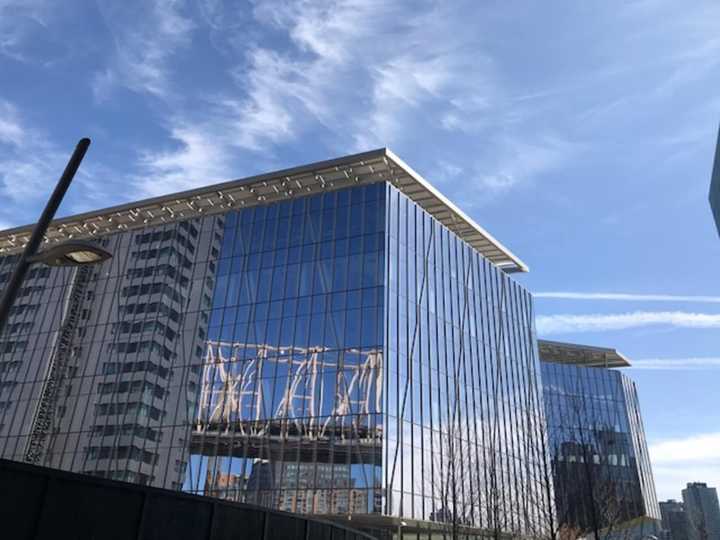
[580,355]
[367,167]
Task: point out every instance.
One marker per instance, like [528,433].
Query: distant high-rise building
[225,485]
[702,511]
[601,469]
[674,522]
[307,488]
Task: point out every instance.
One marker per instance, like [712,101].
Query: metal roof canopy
[580,355]
[364,168]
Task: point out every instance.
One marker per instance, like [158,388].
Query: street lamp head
[72,253]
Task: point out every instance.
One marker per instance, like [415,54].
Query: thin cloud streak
[603,322]
[627,297]
[671,364]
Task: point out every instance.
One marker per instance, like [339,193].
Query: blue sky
[581,134]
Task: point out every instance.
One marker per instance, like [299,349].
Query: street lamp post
[73,253]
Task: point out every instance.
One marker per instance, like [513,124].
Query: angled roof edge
[367,167]
[519,265]
[581,355]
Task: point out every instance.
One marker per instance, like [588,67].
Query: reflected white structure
[234,392]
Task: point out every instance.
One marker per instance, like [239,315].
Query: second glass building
[600,461]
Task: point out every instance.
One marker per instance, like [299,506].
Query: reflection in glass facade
[341,354]
[464,420]
[289,413]
[100,366]
[598,451]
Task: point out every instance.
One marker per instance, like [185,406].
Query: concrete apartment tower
[674,520]
[702,511]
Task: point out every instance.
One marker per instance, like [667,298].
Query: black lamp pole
[13,285]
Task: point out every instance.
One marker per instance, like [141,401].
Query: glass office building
[334,339]
[597,446]
[715,186]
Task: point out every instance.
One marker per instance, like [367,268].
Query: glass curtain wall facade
[598,451]
[342,353]
[464,421]
[290,411]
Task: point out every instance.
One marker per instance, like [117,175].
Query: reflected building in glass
[334,339]
[600,462]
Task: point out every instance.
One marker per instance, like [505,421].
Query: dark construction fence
[40,503]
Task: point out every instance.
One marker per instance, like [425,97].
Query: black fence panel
[233,522]
[87,511]
[168,516]
[319,531]
[21,501]
[37,503]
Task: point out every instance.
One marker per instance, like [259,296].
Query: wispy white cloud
[30,162]
[603,322]
[438,85]
[361,73]
[669,364]
[11,132]
[629,297]
[20,20]
[327,29]
[692,52]
[277,92]
[207,147]
[402,90]
[342,70]
[275,87]
[26,156]
[197,160]
[146,36]
[44,33]
[678,461]
[521,159]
